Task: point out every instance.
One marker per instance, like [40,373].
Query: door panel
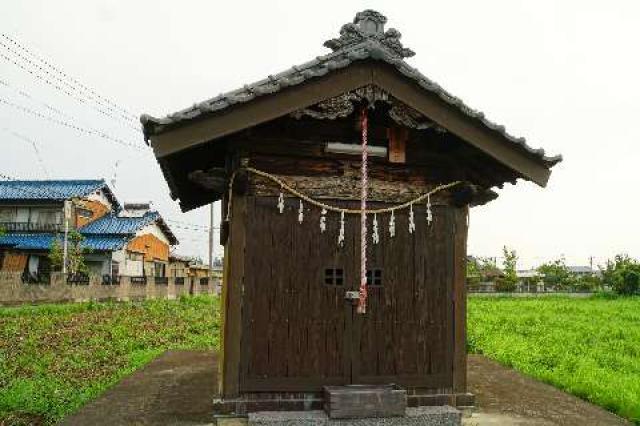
[406,335]
[299,333]
[296,328]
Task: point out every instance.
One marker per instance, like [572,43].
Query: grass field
[54,358]
[587,347]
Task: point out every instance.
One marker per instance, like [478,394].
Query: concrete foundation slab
[427,416]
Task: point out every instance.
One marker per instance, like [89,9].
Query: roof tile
[354,44]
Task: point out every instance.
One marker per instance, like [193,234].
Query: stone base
[309,402]
[427,416]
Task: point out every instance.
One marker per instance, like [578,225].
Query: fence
[526,289]
[15,289]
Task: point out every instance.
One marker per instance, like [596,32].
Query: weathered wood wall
[285,329]
[151,246]
[96,208]
[14,261]
[299,334]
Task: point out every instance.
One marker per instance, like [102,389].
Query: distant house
[581,271]
[182,266]
[528,274]
[120,240]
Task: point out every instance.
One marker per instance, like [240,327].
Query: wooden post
[231,303]
[460,301]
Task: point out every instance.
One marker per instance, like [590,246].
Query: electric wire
[132,116]
[35,148]
[83,130]
[86,100]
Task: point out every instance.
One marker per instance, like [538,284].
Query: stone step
[426,416]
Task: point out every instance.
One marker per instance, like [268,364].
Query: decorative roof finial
[370,22]
[367,31]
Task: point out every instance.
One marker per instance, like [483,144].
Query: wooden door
[299,332]
[297,325]
[406,336]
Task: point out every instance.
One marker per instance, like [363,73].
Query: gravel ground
[177,389]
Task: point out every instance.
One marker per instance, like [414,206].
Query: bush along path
[587,347]
[55,358]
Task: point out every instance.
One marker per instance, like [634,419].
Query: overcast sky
[562,74]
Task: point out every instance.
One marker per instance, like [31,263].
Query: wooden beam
[398,144]
[214,179]
[232,290]
[261,109]
[460,300]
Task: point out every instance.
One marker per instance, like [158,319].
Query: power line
[132,116]
[26,95]
[119,116]
[196,225]
[129,117]
[84,130]
[186,228]
[35,148]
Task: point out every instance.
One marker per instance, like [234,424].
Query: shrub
[506,284]
[556,274]
[509,280]
[586,283]
[622,274]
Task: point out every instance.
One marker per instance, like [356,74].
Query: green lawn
[588,347]
[54,358]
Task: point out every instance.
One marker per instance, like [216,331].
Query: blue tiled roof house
[118,239]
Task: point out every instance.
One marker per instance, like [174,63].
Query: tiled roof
[365,39]
[44,241]
[54,190]
[112,224]
[126,226]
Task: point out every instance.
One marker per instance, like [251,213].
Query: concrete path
[174,389]
[506,397]
[177,388]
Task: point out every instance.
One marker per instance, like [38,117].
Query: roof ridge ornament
[367,27]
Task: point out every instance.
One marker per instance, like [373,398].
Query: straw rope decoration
[329,207]
[364,183]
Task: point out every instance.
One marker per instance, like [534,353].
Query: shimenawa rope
[322,205]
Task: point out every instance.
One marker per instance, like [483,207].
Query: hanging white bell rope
[323,220]
[412,222]
[429,212]
[375,236]
[341,232]
[364,185]
[300,213]
[281,202]
[392,225]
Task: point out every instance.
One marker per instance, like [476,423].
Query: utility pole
[211,251]
[67,213]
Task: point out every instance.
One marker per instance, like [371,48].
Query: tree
[56,255]
[481,269]
[622,274]
[586,282]
[556,273]
[75,253]
[510,279]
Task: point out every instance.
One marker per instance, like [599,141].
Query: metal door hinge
[352,295]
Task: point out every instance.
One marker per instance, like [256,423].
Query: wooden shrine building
[277,152]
